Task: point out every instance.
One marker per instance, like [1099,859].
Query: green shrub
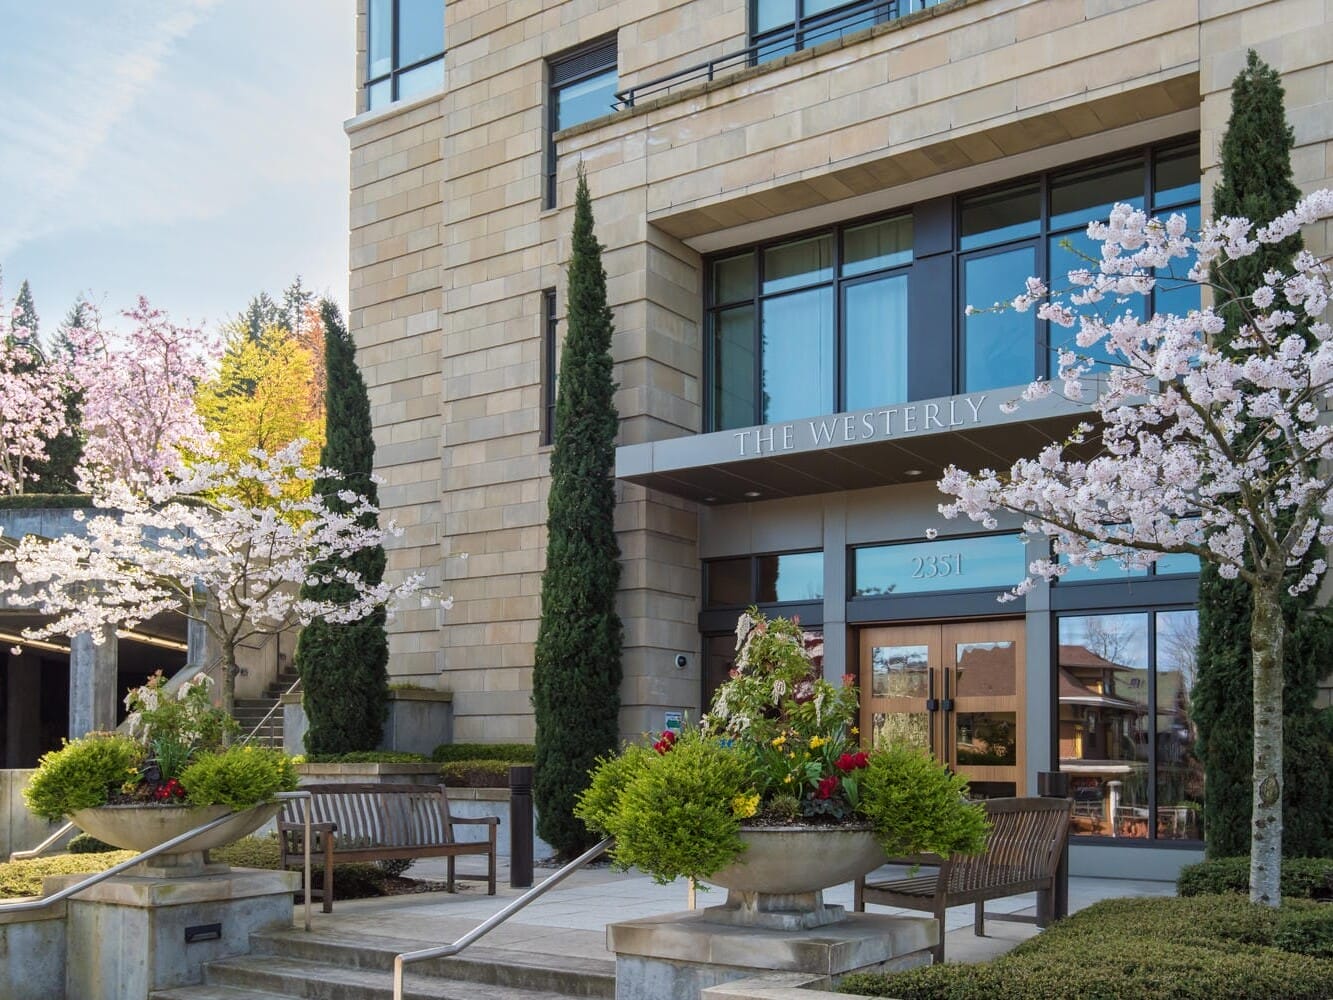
[239,777]
[917,807]
[1302,878]
[24,878]
[674,813]
[1200,948]
[1306,932]
[81,774]
[86,843]
[514,753]
[394,867]
[476,773]
[368,757]
[250,852]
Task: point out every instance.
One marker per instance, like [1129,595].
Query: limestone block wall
[1295,37]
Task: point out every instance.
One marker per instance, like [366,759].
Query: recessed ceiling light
[710,499]
[911,472]
[751,494]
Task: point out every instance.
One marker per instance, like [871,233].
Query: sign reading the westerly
[862,427]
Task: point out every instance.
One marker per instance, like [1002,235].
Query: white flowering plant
[174,728]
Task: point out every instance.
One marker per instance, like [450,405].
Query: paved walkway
[571,920]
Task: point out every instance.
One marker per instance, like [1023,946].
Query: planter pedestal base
[796,911]
[134,934]
[680,954]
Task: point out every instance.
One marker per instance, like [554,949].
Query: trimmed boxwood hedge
[1200,948]
[350,881]
[513,753]
[1302,878]
[476,773]
[368,757]
[24,878]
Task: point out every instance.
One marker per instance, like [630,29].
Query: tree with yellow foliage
[265,396]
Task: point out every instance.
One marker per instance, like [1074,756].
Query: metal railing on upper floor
[793,37]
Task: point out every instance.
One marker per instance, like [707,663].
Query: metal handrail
[264,721]
[833,25]
[42,902]
[494,921]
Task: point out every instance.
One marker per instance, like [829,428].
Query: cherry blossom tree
[138,389]
[1195,449]
[32,407]
[188,544]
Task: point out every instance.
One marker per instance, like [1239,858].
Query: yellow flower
[816,742]
[779,740]
[791,754]
[855,731]
[745,806]
[787,780]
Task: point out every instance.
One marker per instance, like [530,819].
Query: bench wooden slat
[372,822]
[1022,853]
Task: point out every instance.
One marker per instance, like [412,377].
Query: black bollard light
[520,826]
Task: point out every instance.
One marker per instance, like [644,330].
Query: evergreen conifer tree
[344,667]
[58,473]
[576,677]
[25,312]
[1256,183]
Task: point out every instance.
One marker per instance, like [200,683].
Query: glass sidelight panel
[1179,770]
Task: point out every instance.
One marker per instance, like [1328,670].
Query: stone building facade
[797,199]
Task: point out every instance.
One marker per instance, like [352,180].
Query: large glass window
[781,578]
[582,87]
[826,322]
[811,325]
[1127,737]
[405,54]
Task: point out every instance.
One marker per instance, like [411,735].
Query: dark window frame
[563,69]
[1138,607]
[754,558]
[550,355]
[395,70]
[950,345]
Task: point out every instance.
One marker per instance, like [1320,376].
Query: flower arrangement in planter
[778,751]
[174,756]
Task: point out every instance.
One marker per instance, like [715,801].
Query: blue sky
[189,150]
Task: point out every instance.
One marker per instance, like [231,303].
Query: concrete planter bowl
[778,881]
[141,827]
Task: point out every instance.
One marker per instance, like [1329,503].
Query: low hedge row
[1302,878]
[1200,948]
[476,773]
[368,757]
[24,878]
[513,753]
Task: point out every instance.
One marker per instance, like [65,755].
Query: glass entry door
[956,690]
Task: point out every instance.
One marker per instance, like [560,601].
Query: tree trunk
[1266,635]
[229,686]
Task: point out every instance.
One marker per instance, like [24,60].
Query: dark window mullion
[758,336]
[1152,726]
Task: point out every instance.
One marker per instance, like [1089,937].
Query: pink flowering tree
[188,545]
[32,405]
[1223,454]
[138,413]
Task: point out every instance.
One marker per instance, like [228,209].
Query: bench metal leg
[450,883]
[859,896]
[979,919]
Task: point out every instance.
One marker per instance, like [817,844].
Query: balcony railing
[801,34]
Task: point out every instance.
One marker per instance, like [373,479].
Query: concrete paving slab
[571,920]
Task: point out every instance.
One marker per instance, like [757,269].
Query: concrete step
[213,993]
[565,975]
[293,977]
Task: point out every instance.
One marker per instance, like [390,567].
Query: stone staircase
[329,966]
[250,712]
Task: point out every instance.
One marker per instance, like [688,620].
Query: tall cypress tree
[344,667]
[1256,183]
[576,676]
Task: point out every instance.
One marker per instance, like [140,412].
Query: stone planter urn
[779,880]
[141,827]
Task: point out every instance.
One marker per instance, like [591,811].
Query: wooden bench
[371,822]
[1023,849]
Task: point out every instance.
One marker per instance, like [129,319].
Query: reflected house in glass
[798,200]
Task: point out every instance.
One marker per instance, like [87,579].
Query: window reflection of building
[1125,733]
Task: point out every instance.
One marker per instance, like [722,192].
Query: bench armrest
[488,820]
